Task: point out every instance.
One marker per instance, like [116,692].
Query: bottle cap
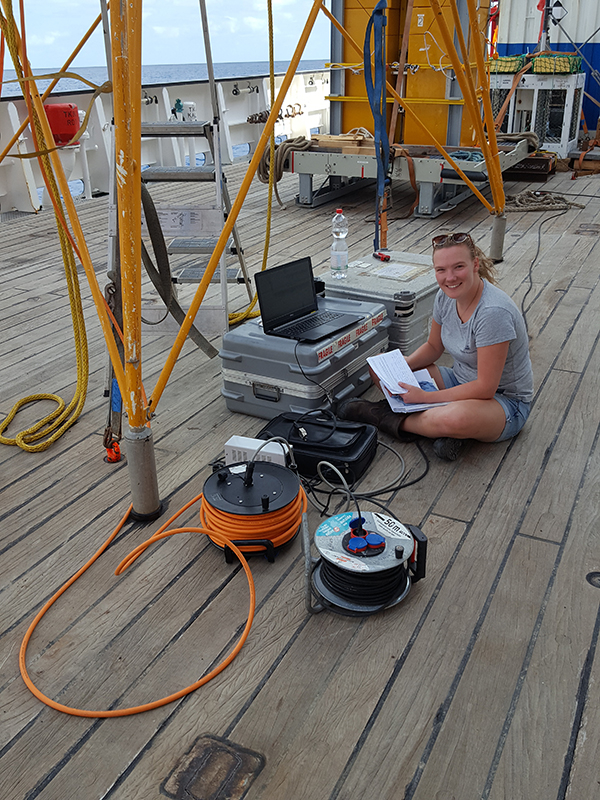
[339,211]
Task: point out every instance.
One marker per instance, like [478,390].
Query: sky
[172,31]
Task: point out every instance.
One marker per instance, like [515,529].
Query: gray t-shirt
[495,319]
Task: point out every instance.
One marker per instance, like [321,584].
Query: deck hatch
[213,768]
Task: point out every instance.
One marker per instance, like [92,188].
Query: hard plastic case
[265,375]
[405,284]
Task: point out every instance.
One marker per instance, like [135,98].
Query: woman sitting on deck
[490,386]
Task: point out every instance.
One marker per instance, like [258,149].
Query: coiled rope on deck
[52,426]
[539,201]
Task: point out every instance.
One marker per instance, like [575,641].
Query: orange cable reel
[258,505]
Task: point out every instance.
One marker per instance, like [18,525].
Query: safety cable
[426,47]
[162,533]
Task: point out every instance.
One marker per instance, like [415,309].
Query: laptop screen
[285,293]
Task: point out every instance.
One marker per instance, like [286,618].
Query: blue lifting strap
[377,100]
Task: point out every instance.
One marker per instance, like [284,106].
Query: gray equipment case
[263,376]
[405,284]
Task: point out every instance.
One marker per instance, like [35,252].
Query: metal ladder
[205,173]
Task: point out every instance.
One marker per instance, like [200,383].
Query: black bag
[319,436]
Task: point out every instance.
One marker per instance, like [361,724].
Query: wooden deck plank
[459,759]
[576,352]
[296,692]
[160,676]
[561,758]
[415,708]
[321,663]
[544,351]
[549,510]
[221,697]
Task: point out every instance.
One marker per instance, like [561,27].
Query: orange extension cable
[162,533]
[278,526]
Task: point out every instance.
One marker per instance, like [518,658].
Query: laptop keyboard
[312,322]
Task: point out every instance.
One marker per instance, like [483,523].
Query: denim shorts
[516,411]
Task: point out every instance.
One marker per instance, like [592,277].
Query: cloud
[255,23]
[166,33]
[46,39]
[172,33]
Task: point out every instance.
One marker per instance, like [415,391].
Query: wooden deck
[483,683]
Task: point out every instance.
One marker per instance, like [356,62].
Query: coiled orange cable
[278,526]
[162,533]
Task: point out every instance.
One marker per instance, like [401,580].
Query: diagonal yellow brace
[235,209]
[55,80]
[467,85]
[83,251]
[487,106]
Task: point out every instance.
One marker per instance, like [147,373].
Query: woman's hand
[414,394]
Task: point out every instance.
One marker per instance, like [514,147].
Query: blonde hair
[487,268]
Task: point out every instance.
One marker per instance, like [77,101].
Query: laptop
[289,304]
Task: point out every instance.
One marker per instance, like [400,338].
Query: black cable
[572,194]
[313,487]
[316,383]
[323,412]
[375,589]
[530,271]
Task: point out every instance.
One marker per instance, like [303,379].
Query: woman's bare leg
[483,420]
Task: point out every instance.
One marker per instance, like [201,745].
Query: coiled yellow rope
[40,436]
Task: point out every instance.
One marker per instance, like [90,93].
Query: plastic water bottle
[339,246]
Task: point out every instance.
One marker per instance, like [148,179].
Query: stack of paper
[391,368]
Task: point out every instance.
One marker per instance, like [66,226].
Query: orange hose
[279,526]
[160,534]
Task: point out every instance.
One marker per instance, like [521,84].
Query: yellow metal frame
[126,40]
[414,100]
[126,61]
[410,113]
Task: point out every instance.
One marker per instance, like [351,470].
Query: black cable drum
[363,568]
[378,589]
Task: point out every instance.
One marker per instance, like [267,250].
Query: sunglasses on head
[451,238]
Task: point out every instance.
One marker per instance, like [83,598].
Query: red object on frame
[64,121]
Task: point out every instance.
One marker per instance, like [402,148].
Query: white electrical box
[242,448]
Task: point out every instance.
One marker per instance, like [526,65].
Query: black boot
[449,449]
[379,414]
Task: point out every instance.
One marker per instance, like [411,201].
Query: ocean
[159,74]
